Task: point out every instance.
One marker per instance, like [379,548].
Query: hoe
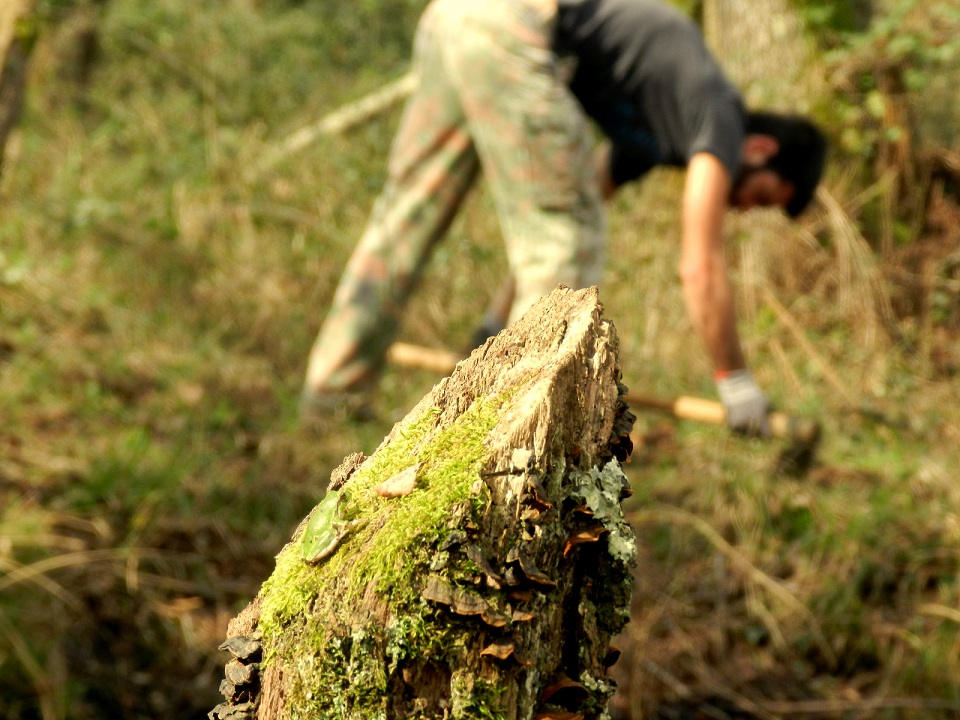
[801,434]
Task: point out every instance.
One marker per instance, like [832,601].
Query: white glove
[745,402]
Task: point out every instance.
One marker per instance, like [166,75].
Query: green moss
[396,541]
[474,699]
[449,468]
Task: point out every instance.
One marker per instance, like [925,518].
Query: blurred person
[510,87]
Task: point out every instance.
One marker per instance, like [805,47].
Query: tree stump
[477,564]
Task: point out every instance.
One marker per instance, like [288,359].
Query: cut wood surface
[492,581]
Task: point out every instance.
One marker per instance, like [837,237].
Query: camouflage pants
[490,95]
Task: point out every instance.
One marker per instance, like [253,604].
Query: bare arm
[703,269]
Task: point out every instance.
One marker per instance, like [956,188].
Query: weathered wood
[490,587]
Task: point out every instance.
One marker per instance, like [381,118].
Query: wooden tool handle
[417,356]
[701,410]
[684,407]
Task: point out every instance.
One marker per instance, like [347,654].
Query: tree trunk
[764,50]
[478,564]
[14,50]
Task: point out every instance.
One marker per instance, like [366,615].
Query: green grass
[157,304]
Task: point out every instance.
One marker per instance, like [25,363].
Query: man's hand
[745,402]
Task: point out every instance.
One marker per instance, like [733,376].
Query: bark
[477,564]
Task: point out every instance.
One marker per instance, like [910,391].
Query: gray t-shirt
[644,74]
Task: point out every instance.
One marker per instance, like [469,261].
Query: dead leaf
[400,484]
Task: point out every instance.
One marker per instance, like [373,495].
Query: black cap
[801,157]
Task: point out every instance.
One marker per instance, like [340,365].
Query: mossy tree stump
[477,564]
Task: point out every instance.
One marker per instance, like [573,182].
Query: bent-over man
[509,87]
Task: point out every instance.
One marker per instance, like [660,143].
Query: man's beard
[745,172]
